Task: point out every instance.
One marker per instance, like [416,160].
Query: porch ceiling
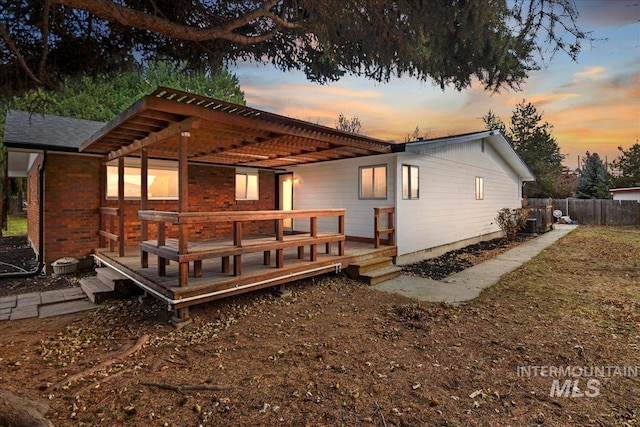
[223,133]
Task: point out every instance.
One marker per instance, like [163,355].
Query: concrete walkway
[44,304]
[466,285]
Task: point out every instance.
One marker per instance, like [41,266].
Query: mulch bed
[16,256]
[461,259]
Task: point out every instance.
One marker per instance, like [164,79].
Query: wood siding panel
[447,210]
[335,185]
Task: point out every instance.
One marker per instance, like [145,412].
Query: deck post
[391,227]
[313,226]
[237,241]
[341,244]
[121,206]
[376,227]
[183,204]
[112,230]
[144,198]
[280,238]
[162,263]
[181,317]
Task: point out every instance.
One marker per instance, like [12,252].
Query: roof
[624,190]
[494,137]
[40,131]
[223,133]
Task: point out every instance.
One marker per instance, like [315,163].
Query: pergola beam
[173,129]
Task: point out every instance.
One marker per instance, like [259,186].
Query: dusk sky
[593,104]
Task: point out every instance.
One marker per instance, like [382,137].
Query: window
[247,185]
[162,180]
[410,182]
[373,182]
[479,188]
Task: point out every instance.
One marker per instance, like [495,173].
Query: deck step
[381,275]
[116,281]
[97,290]
[358,269]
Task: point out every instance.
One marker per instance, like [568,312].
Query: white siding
[626,195]
[334,185]
[447,210]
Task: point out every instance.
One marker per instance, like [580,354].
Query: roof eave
[495,138]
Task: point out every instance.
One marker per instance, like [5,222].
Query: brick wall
[74,192]
[211,189]
[71,202]
[33,203]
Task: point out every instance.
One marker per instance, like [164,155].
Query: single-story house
[629,193]
[176,174]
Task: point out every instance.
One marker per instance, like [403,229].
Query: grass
[16,226]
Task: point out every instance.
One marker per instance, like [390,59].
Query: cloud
[608,13]
[591,73]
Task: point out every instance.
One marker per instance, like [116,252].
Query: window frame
[134,163]
[479,188]
[373,182]
[409,180]
[247,174]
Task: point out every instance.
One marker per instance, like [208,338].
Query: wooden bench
[185,252]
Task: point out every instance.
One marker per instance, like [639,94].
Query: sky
[593,104]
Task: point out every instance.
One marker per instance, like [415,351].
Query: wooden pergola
[188,128]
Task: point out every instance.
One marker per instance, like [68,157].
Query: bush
[511,221]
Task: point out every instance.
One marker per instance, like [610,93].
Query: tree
[594,179]
[102,97]
[352,125]
[627,165]
[566,184]
[493,122]
[450,42]
[532,140]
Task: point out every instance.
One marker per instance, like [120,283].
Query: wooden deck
[213,283]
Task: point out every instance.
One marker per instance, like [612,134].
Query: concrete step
[357,269]
[381,275]
[96,290]
[65,307]
[116,281]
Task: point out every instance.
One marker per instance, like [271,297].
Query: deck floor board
[253,269]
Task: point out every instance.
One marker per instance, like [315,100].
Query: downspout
[38,269]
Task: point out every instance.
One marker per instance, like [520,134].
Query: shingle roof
[35,130]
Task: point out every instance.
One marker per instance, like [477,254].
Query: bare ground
[340,353]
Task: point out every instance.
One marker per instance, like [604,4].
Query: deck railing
[187,251]
[107,232]
[377,221]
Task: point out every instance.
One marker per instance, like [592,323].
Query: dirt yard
[340,353]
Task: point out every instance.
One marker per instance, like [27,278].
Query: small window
[247,186]
[373,182]
[410,182]
[479,188]
[162,180]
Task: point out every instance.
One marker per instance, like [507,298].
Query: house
[178,185]
[630,193]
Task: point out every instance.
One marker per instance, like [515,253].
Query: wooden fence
[600,211]
[542,211]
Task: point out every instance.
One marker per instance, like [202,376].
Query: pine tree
[532,140]
[628,167]
[594,179]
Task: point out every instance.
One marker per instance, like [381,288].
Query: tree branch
[100,366]
[113,12]
[45,40]
[182,388]
[13,48]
